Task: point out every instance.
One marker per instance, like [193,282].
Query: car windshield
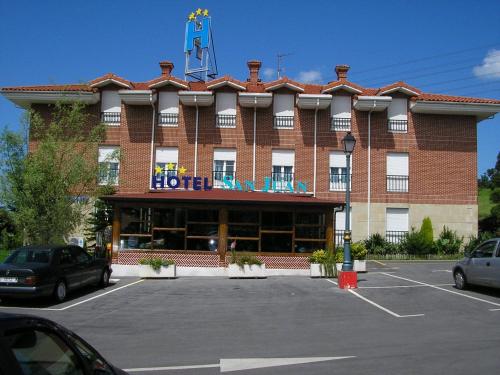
[21,256]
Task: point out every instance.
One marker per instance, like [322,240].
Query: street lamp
[348,142]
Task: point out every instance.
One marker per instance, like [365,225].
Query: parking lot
[405,318]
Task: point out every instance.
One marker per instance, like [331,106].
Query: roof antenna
[280,58]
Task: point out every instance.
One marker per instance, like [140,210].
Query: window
[283,111]
[340,226]
[111,107]
[338,171]
[396,224]
[93,359]
[224,166]
[397,172]
[397,114]
[168,108]
[41,352]
[109,165]
[166,162]
[135,231]
[341,113]
[485,250]
[226,110]
[282,174]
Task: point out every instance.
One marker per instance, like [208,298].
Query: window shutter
[225,154]
[108,154]
[340,220]
[110,101]
[398,109]
[225,103]
[338,159]
[397,219]
[283,104]
[341,107]
[167,155]
[283,157]
[397,164]
[168,102]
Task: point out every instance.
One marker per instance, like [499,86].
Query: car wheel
[60,291]
[104,281]
[460,281]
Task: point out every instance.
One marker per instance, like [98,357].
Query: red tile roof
[226,79]
[223,196]
[341,82]
[398,84]
[82,87]
[147,85]
[456,99]
[283,81]
[110,76]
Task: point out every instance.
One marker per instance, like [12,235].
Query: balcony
[338,182]
[168,119]
[218,178]
[397,184]
[225,121]
[394,236]
[111,118]
[397,126]
[281,181]
[283,122]
[342,124]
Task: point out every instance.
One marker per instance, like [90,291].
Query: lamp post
[348,142]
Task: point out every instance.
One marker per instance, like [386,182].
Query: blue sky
[450,47]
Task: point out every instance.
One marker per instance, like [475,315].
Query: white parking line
[399,286]
[377,305]
[443,289]
[74,304]
[376,261]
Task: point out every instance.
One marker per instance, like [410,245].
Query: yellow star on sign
[192,16]
[205,12]
[170,166]
[198,12]
[182,170]
[157,169]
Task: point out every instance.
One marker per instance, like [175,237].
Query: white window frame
[225,108]
[397,172]
[397,115]
[340,112]
[111,107]
[401,225]
[284,111]
[108,160]
[165,156]
[224,157]
[338,163]
[168,109]
[283,165]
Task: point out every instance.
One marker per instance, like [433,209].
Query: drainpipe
[315,145]
[196,138]
[152,139]
[254,135]
[369,163]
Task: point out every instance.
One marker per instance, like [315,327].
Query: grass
[485,203]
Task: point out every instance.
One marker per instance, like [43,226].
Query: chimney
[166,68]
[341,71]
[254,66]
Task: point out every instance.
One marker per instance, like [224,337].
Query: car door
[84,265]
[480,266]
[68,268]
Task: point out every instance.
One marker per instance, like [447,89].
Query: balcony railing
[397,184]
[394,236]
[339,237]
[397,126]
[168,119]
[225,121]
[281,181]
[339,181]
[112,118]
[218,178]
[283,122]
[341,124]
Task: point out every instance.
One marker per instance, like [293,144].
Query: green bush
[244,258]
[339,255]
[414,243]
[427,231]
[318,256]
[358,250]
[376,244]
[448,242]
[156,263]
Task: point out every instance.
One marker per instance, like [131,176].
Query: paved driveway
[405,318]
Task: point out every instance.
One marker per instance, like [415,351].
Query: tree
[427,231]
[48,187]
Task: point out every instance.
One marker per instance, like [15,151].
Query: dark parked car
[480,267]
[37,346]
[50,270]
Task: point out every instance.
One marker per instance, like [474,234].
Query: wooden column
[116,232]
[222,244]
[330,230]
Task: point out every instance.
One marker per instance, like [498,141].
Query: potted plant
[245,266]
[156,267]
[322,264]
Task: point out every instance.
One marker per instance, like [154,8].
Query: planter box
[317,270]
[246,272]
[147,272]
[358,266]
